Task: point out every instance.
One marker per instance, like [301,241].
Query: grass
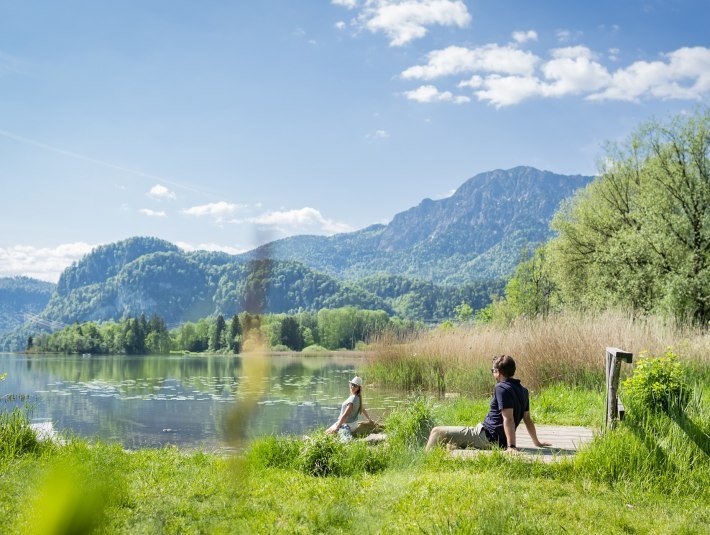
[651,474]
[645,477]
[568,347]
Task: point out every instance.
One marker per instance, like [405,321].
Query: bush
[280,347]
[16,435]
[657,383]
[313,348]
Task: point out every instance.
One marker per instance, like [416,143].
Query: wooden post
[614,356]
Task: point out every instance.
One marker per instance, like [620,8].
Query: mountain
[475,234]
[150,276]
[21,297]
[426,261]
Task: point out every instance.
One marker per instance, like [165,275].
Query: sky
[220,125]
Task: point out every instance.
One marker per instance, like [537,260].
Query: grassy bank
[568,348]
[651,475]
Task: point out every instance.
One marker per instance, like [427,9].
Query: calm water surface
[207,402]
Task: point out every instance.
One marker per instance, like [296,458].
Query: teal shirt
[354,413]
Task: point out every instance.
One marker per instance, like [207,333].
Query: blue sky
[221,124]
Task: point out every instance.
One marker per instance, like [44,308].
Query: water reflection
[183,400]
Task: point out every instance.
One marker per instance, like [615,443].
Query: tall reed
[568,347]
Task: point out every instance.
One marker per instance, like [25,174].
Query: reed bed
[567,348]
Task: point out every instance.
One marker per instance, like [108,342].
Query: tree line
[637,237]
[342,328]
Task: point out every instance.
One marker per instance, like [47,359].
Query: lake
[208,402]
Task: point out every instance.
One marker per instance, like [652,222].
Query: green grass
[650,475]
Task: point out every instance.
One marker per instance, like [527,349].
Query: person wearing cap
[350,411]
[510,405]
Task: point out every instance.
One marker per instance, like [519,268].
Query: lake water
[208,402]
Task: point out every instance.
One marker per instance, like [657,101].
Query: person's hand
[541,444]
[331,430]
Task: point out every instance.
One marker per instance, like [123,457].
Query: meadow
[650,474]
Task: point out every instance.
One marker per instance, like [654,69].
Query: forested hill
[150,276]
[21,297]
[475,234]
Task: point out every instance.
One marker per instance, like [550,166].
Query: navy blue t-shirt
[509,394]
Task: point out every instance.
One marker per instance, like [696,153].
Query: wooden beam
[614,357]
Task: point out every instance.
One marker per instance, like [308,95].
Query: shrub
[16,435]
[280,347]
[313,348]
[657,383]
[320,455]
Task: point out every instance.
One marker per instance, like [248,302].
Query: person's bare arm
[363,411]
[509,427]
[334,428]
[530,426]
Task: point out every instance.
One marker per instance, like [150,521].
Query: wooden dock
[566,440]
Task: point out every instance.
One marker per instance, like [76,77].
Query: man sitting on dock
[510,405]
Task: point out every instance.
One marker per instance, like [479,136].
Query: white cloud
[685,75]
[211,247]
[350,4]
[572,52]
[522,37]
[402,21]
[302,220]
[614,54]
[564,36]
[429,93]
[160,192]
[457,60]
[40,262]
[508,90]
[215,209]
[340,25]
[576,70]
[573,75]
[152,213]
[378,134]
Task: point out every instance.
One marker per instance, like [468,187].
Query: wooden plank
[566,441]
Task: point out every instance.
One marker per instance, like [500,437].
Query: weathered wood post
[614,356]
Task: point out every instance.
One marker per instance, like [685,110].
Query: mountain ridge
[427,260]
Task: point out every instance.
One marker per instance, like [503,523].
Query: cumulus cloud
[350,4]
[340,25]
[211,247]
[429,93]
[378,134]
[160,192]
[505,75]
[215,209]
[152,213]
[44,263]
[403,21]
[301,220]
[507,90]
[522,37]
[457,60]
[685,74]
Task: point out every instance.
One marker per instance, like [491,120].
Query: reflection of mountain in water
[158,400]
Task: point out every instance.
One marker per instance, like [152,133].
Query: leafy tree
[639,236]
[291,335]
[464,312]
[217,330]
[234,334]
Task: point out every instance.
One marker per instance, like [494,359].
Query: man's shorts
[466,437]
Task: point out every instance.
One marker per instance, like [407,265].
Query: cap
[356,381]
